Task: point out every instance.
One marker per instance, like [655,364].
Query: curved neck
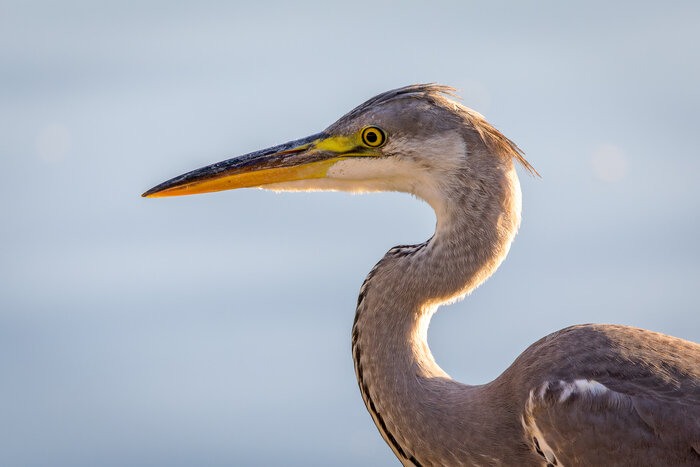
[414,403]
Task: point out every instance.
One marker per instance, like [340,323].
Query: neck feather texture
[426,417]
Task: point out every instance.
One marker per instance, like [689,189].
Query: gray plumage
[586,395]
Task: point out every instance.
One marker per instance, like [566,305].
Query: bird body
[586,395]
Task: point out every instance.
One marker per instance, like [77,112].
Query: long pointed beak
[302,159]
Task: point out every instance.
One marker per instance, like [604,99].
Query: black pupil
[371,136]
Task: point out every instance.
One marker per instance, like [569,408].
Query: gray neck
[426,417]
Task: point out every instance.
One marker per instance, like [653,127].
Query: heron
[590,394]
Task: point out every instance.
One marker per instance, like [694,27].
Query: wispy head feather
[436,94]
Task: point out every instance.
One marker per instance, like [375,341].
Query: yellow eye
[373,136]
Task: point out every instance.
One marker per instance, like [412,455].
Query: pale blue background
[215,329]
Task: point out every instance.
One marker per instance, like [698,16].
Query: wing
[611,395]
[584,422]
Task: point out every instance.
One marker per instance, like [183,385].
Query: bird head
[412,139]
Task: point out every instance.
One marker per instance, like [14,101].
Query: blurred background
[215,329]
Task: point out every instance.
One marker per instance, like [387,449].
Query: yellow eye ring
[373,136]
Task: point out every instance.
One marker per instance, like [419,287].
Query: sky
[215,329]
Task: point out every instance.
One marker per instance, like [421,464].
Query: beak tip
[150,193]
